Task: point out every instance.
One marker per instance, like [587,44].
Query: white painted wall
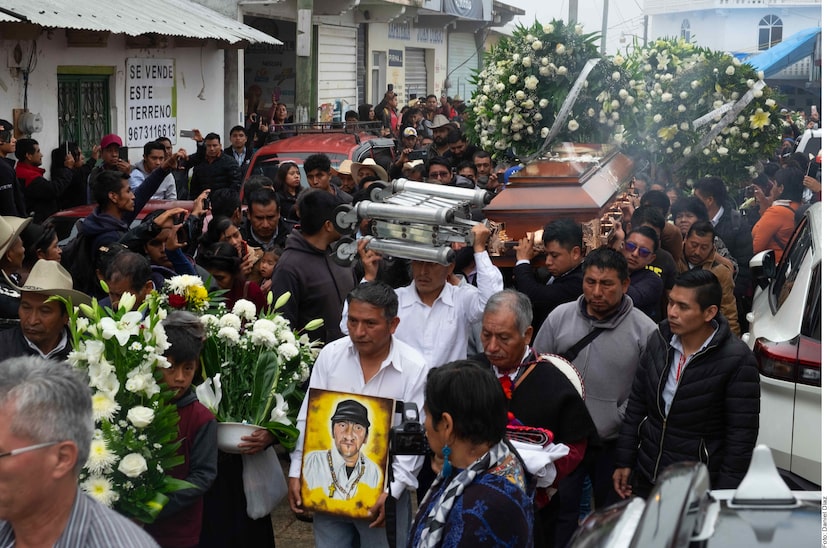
[207,114]
[735,29]
[378,40]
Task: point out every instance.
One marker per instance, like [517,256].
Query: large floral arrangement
[136,432]
[674,84]
[253,365]
[525,81]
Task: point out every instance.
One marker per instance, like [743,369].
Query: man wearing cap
[441,127]
[344,173]
[11,195]
[43,323]
[371,361]
[110,158]
[368,168]
[408,143]
[339,470]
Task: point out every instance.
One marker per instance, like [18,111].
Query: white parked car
[785,334]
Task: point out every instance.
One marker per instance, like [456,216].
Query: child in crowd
[266,268]
[180,521]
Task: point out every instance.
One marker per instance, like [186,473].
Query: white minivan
[785,335]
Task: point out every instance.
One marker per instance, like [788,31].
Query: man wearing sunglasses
[646,287]
[45,435]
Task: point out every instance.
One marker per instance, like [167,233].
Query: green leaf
[174,484]
[265,381]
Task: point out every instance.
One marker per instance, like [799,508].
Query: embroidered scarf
[433,530]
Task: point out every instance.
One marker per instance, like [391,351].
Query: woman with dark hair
[387,113]
[777,223]
[39,242]
[222,229]
[482,495]
[366,113]
[222,261]
[288,188]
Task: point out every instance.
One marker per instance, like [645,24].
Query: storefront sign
[430,36]
[150,111]
[395,58]
[399,31]
[469,9]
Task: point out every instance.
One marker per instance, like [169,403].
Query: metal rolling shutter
[337,65]
[462,63]
[416,72]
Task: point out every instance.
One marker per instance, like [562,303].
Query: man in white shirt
[374,362]
[437,309]
[154,156]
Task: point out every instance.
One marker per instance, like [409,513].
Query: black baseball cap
[351,411]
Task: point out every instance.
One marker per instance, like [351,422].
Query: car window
[791,262]
[812,311]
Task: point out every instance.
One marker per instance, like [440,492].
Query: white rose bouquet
[136,426]
[525,80]
[253,365]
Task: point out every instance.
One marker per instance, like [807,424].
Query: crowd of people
[649,323]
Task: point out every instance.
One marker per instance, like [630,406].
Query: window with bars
[83,109]
[770,32]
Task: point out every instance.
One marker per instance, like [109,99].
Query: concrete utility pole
[602,43]
[305,35]
[573,7]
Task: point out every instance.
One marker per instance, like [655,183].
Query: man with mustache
[604,336]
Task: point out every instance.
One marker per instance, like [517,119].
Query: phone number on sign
[137,133]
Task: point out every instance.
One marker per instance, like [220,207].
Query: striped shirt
[92,525]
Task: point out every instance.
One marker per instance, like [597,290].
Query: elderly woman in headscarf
[482,495]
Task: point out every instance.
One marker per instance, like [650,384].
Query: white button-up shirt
[402,376]
[439,332]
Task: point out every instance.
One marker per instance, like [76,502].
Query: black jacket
[14,345]
[546,297]
[713,417]
[11,195]
[246,161]
[732,228]
[223,172]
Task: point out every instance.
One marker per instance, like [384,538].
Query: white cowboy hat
[10,228]
[439,121]
[50,278]
[370,163]
[345,167]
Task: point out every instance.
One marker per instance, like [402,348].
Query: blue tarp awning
[787,52]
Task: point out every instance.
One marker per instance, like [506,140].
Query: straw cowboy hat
[10,228]
[50,278]
[370,163]
[345,167]
[439,121]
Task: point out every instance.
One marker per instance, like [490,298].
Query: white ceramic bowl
[229,435]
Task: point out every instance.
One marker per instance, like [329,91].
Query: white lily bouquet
[253,366]
[136,426]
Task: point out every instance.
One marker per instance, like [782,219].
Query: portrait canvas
[346,452]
